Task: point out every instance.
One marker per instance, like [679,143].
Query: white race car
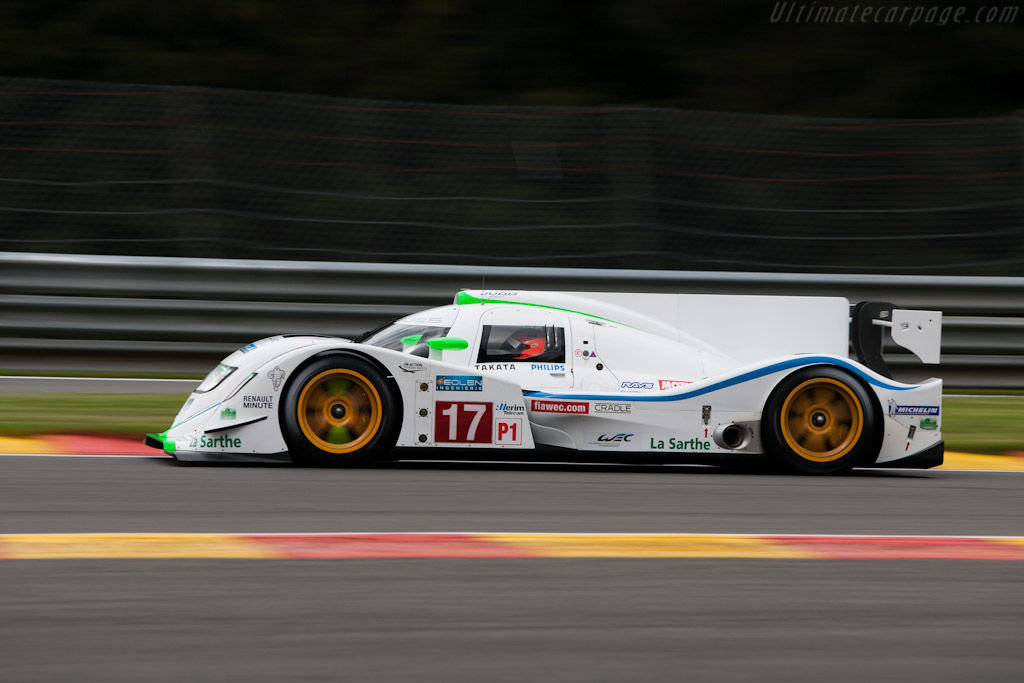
[634,377]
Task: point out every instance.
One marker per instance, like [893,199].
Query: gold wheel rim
[339,411]
[822,420]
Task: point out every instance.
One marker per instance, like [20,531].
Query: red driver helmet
[534,345]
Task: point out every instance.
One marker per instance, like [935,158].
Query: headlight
[216,376]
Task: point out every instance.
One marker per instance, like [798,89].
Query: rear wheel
[821,420]
[339,410]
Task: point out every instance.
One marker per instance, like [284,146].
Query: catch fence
[195,172]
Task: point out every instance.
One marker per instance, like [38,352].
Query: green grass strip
[138,414]
[981,424]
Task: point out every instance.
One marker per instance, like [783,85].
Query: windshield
[415,336]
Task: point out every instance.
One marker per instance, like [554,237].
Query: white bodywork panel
[751,328]
[745,328]
[650,373]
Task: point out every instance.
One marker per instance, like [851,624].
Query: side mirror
[438,346]
[409,342]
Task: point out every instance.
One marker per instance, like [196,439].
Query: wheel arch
[389,378]
[875,406]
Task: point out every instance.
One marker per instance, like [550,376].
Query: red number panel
[462,422]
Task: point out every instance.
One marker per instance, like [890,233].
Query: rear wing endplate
[920,332]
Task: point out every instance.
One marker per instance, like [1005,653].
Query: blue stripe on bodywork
[739,379]
[192,417]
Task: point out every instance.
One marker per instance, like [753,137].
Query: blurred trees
[696,54]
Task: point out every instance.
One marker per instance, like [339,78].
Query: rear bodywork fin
[920,332]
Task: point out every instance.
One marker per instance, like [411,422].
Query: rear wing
[920,332]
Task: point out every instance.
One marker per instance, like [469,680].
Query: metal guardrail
[116,313]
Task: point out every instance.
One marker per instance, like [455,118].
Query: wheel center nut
[337,411]
[819,419]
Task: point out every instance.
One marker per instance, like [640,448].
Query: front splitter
[201,456]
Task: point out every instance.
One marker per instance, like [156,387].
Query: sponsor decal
[584,353]
[508,431]
[615,438]
[550,367]
[258,402]
[228,414]
[674,444]
[222,441]
[459,383]
[929,424]
[895,409]
[430,320]
[496,366]
[610,440]
[637,385]
[510,409]
[276,376]
[613,408]
[664,384]
[567,407]
[456,422]
[486,295]
[247,348]
[410,366]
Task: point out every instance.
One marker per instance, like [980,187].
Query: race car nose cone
[818,419]
[337,411]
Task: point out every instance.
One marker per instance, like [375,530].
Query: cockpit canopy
[502,343]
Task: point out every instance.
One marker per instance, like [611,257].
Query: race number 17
[457,422]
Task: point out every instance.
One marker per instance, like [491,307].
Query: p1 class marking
[508,431]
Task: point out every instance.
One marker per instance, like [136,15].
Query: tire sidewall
[864,451]
[302,451]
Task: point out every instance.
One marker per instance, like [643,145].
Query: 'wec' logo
[616,437]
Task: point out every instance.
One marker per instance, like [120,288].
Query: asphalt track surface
[585,619]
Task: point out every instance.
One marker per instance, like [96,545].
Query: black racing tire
[821,420]
[340,411]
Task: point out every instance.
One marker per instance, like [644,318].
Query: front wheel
[821,420]
[339,410]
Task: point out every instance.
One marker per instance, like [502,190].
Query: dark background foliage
[642,134]
[695,54]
